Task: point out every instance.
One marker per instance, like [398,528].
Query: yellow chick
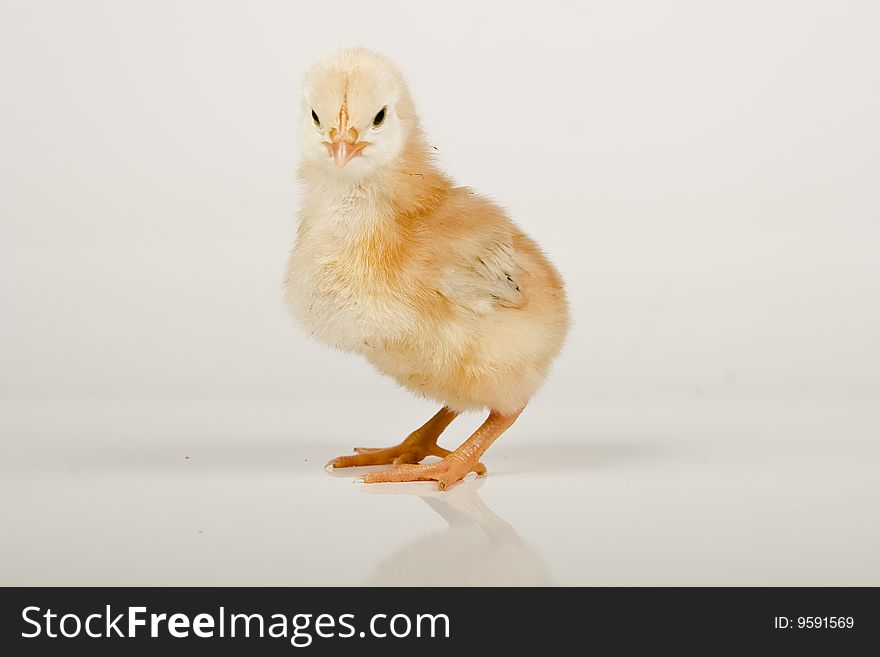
[433,284]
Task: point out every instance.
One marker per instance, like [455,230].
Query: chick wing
[481,276]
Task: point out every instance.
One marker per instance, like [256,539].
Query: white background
[705,176]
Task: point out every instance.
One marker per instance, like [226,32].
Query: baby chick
[433,284]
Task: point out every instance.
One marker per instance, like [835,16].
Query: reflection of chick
[433,284]
[477,549]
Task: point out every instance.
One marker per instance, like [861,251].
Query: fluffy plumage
[433,284]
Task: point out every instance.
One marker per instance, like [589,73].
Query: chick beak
[344,147]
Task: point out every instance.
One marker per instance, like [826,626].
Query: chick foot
[450,470]
[419,444]
[455,466]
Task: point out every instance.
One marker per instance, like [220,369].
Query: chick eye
[380,118]
[316,119]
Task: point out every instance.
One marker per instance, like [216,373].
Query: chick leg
[455,465]
[420,443]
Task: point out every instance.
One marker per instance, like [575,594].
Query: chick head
[357,114]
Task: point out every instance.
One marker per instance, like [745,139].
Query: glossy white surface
[222,491]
